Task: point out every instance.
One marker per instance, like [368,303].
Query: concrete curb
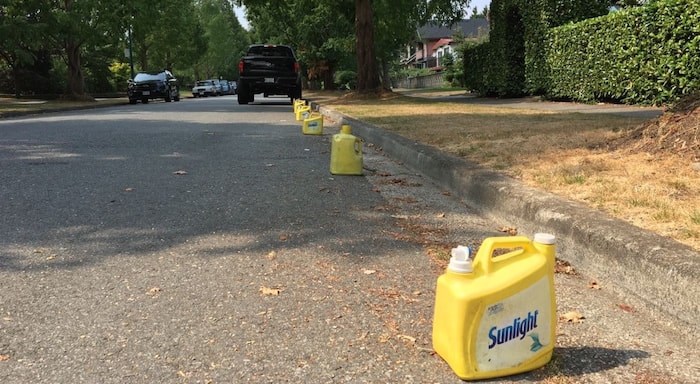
[653,271]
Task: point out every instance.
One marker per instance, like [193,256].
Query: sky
[479,4]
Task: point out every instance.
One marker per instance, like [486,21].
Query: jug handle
[358,146]
[485,262]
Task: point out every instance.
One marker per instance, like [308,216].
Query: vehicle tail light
[296,67]
[240,66]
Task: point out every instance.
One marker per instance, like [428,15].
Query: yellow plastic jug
[303,112]
[313,125]
[346,153]
[497,316]
[298,103]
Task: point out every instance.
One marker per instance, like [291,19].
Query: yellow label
[516,329]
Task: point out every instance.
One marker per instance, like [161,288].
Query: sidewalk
[654,271]
[538,104]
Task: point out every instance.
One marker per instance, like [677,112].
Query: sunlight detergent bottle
[497,316]
[346,153]
[303,112]
[313,125]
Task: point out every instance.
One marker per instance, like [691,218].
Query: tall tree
[21,31]
[367,73]
[71,25]
[319,31]
[224,39]
[403,15]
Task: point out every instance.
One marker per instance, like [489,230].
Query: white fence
[429,81]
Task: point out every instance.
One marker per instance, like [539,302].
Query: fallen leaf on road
[626,308]
[4,357]
[270,291]
[446,193]
[410,339]
[154,291]
[512,231]
[180,173]
[369,271]
[564,267]
[572,317]
[442,214]
[272,255]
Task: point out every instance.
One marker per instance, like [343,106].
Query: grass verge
[562,152]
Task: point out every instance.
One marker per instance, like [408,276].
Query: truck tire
[243,94]
[295,94]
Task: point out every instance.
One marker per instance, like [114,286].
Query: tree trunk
[328,78]
[76,81]
[385,75]
[367,75]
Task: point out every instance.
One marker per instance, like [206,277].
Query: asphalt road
[204,241]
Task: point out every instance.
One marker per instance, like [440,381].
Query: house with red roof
[433,42]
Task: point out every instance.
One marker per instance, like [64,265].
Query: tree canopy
[62,41]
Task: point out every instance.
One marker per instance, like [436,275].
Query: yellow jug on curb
[496,316]
[298,103]
[303,112]
[313,125]
[346,153]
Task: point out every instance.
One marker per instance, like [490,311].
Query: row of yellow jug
[346,149]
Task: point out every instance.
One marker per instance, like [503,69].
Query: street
[206,241]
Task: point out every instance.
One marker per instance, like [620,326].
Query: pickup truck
[268,69]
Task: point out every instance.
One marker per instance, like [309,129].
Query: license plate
[269,79]
[146,93]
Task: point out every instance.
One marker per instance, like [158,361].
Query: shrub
[644,54]
[346,79]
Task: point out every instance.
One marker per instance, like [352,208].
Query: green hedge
[515,62]
[648,55]
[475,58]
[644,55]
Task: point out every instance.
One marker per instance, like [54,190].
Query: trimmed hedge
[647,55]
[644,55]
[515,64]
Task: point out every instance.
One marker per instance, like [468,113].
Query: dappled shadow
[574,362]
[577,361]
[80,191]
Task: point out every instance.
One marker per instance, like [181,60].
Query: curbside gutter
[650,270]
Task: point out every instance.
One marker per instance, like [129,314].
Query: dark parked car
[153,85]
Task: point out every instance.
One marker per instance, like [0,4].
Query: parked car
[225,87]
[234,87]
[204,88]
[147,86]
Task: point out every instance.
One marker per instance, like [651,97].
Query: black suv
[153,85]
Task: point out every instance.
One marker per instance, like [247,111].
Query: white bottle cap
[545,238]
[460,262]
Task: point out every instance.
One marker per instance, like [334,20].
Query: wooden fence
[429,81]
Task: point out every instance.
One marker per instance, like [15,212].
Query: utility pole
[131,54]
